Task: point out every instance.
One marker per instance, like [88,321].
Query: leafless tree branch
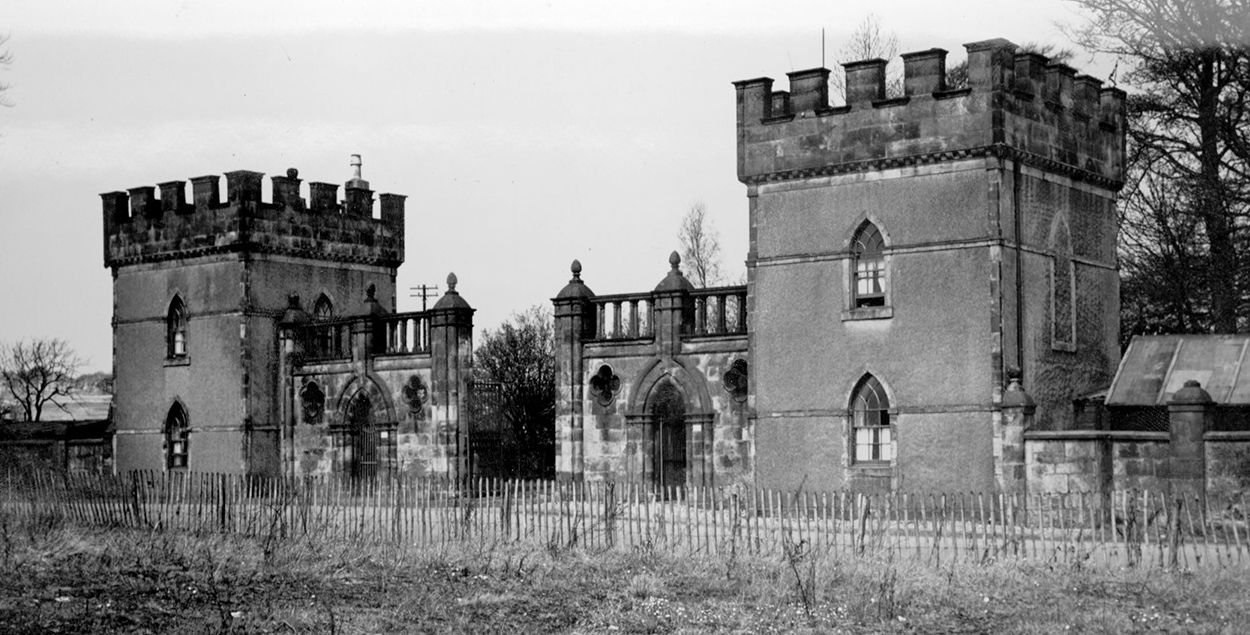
[36,372]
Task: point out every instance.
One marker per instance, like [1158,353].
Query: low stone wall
[1228,463]
[1139,460]
[1060,462]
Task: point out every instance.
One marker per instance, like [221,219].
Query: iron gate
[494,449]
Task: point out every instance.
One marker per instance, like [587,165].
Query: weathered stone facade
[651,387]
[214,353]
[904,253]
[413,369]
[995,203]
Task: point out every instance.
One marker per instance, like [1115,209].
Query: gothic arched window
[870,422]
[176,329]
[868,277]
[323,308]
[313,402]
[176,437]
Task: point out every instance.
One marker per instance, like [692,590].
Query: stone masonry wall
[615,442]
[1228,464]
[1061,466]
[620,357]
[139,227]
[1022,101]
[1088,461]
[317,438]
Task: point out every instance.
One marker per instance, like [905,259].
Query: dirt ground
[60,580]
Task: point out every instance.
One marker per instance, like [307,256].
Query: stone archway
[670,423]
[667,410]
[366,431]
[360,453]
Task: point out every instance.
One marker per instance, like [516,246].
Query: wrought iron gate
[363,440]
[494,449]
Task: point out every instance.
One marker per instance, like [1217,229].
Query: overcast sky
[525,134]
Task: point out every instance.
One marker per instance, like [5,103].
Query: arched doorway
[668,424]
[363,439]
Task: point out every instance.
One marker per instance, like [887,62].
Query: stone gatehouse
[915,263]
[904,253]
[261,337]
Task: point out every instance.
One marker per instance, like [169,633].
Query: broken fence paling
[1135,528]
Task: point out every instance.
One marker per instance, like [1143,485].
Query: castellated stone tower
[199,290]
[905,252]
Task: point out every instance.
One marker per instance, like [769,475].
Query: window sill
[182,360]
[873,468]
[868,313]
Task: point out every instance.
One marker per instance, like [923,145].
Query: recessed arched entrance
[668,418]
[363,439]
[364,429]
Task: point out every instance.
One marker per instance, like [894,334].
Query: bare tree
[1187,65]
[1162,264]
[520,357]
[700,246]
[869,41]
[37,372]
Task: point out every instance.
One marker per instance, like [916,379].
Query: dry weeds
[64,580]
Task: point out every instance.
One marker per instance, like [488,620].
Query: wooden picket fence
[1122,528]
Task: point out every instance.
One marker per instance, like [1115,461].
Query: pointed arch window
[870,422]
[323,308]
[868,276]
[324,340]
[176,329]
[176,438]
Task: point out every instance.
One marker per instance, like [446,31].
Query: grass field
[66,580]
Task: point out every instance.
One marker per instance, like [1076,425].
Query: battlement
[1019,105]
[140,226]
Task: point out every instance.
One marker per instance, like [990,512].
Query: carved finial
[370,291]
[576,268]
[1014,375]
[355,163]
[292,173]
[1193,383]
[451,282]
[674,259]
[292,301]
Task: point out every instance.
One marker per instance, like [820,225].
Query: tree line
[1184,209]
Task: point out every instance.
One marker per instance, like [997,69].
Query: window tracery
[176,438]
[870,422]
[868,276]
[176,329]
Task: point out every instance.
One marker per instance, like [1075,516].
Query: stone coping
[1095,435]
[1128,435]
[1227,435]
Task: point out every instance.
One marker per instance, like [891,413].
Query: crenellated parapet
[1015,105]
[149,224]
